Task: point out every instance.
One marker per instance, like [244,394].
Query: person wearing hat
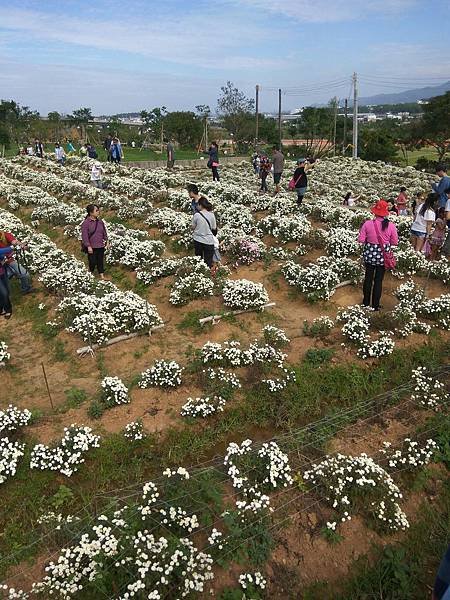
[371,233]
[300,178]
[96,175]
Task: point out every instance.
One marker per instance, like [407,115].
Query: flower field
[168,433]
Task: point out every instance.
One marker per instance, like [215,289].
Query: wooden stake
[46,383]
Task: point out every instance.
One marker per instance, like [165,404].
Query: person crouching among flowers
[373,233]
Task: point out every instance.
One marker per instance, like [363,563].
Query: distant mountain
[407,95]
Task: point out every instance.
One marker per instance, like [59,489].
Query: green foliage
[377,144]
[436,124]
[63,496]
[190,321]
[318,356]
[75,397]
[185,127]
[333,537]
[96,409]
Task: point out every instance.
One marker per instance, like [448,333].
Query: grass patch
[191,323]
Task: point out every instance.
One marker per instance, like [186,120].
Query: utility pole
[344,143]
[206,133]
[162,137]
[279,119]
[257,117]
[336,104]
[355,116]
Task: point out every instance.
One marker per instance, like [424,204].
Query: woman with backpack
[94,237]
[204,231]
[378,236]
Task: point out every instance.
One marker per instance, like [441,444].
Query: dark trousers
[264,187]
[373,285]
[5,302]
[96,260]
[215,174]
[205,251]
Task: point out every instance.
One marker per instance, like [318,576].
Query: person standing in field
[116,151]
[213,162]
[264,169]
[402,200]
[96,175]
[442,186]
[60,155]
[70,147]
[107,146]
[300,179]
[170,154]
[5,300]
[94,237]
[278,166]
[424,221]
[195,197]
[38,148]
[204,229]
[373,233]
[11,265]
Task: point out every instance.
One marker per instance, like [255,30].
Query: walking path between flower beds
[195,162]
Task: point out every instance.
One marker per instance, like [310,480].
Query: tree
[16,120]
[377,144]
[81,115]
[54,119]
[154,121]
[436,124]
[236,111]
[183,126]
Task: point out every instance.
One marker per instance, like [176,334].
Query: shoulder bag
[388,256]
[216,241]
[293,182]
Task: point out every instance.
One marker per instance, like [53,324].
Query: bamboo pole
[216,318]
[120,338]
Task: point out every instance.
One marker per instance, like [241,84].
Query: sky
[126,56]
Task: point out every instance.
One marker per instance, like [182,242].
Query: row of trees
[319,127]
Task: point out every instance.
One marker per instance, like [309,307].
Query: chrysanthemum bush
[411,455]
[11,451]
[244,251]
[67,455]
[98,319]
[318,280]
[163,373]
[202,407]
[274,336]
[14,418]
[319,327]
[286,228]
[147,545]
[134,431]
[356,328]
[242,294]
[428,391]
[250,581]
[114,392]
[256,472]
[191,287]
[345,480]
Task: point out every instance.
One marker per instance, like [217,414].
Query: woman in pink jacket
[372,232]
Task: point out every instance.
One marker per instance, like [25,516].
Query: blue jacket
[441,189]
